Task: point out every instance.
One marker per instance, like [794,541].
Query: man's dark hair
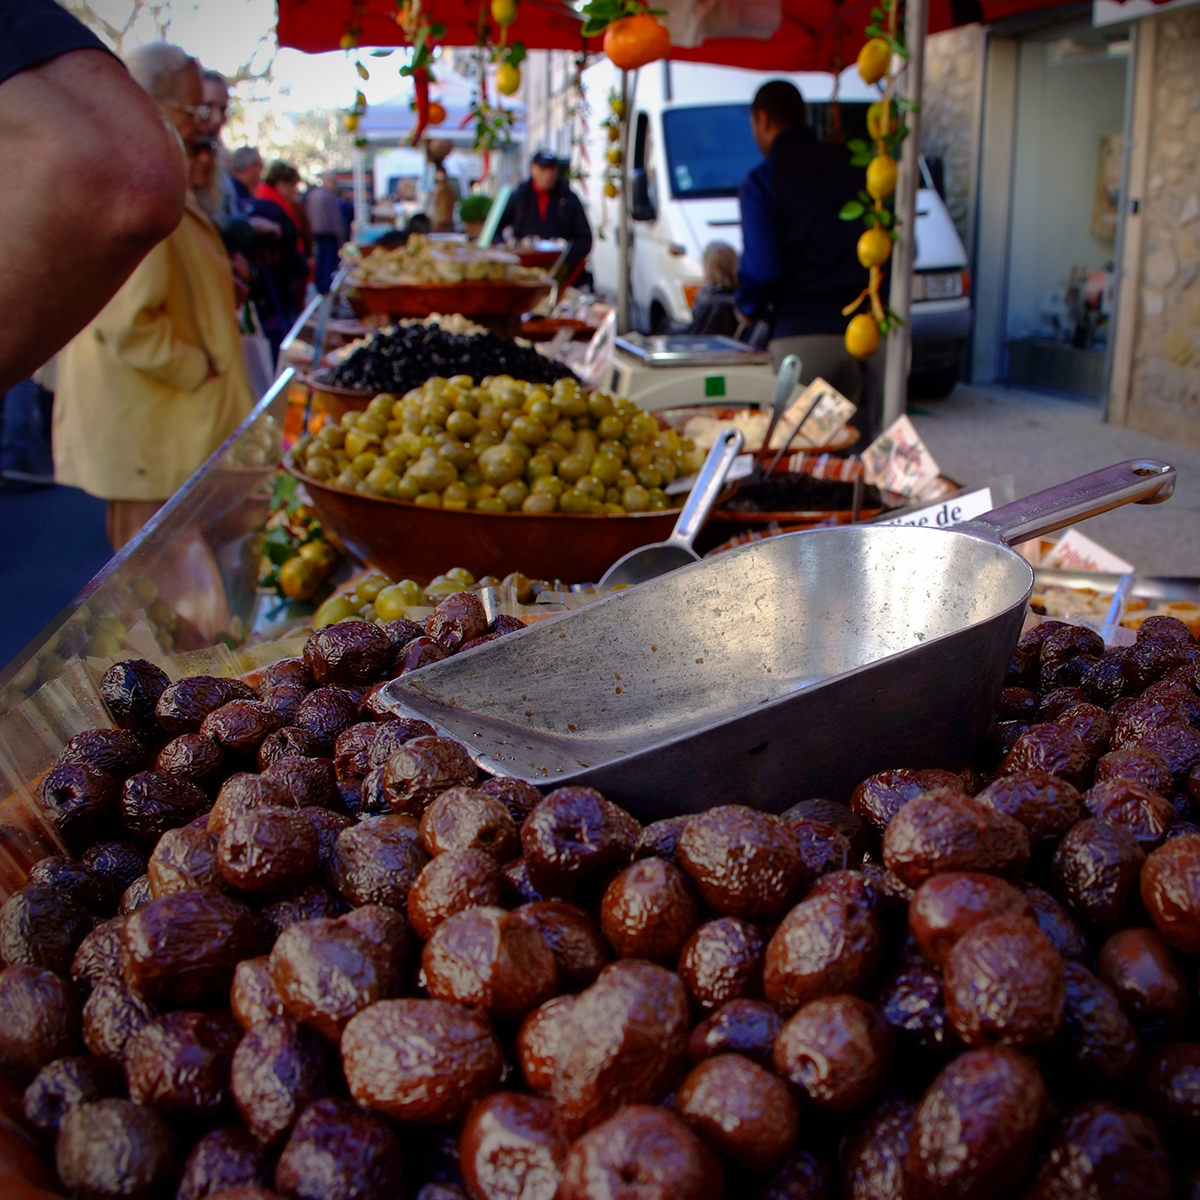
[782,103]
[281,172]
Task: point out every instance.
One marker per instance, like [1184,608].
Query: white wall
[1063,110]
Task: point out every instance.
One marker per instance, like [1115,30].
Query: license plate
[937,285]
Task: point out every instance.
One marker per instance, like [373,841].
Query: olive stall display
[302,948]
[502,446]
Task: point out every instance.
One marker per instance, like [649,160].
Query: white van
[407,171]
[690,150]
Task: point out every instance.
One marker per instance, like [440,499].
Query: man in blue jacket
[799,267]
[545,207]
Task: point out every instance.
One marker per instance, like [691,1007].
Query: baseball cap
[545,158]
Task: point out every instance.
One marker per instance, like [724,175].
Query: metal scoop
[648,562]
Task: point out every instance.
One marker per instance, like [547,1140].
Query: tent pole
[362,210]
[899,341]
[623,255]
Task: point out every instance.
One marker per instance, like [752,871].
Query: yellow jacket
[135,413]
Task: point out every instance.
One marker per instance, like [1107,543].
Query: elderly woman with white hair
[157,381]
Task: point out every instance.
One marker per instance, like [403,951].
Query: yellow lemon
[874,59]
[299,578]
[874,247]
[350,122]
[348,42]
[508,78]
[881,176]
[610,190]
[614,155]
[614,133]
[882,120]
[504,12]
[862,335]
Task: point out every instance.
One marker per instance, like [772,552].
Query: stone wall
[953,68]
[1165,390]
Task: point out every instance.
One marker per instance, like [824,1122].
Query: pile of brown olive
[300,948]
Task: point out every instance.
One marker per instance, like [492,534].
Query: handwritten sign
[1074,551]
[830,411]
[898,461]
[948,512]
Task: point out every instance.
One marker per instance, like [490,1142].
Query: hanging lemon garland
[879,155]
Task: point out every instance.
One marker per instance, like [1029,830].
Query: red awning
[815,35]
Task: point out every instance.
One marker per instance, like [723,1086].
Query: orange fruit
[881,176]
[874,59]
[882,120]
[874,247]
[508,78]
[614,133]
[437,113]
[633,42]
[862,335]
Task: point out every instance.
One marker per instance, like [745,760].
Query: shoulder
[34,31]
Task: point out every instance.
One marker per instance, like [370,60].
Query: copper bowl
[471,299]
[338,401]
[409,541]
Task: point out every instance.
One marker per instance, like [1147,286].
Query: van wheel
[933,385]
[659,322]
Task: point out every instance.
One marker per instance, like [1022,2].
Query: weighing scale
[676,370]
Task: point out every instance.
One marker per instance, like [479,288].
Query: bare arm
[94,179]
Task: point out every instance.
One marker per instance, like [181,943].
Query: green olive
[408,488]
[573,467]
[335,609]
[435,412]
[542,410]
[500,464]
[591,487]
[611,447]
[381,476]
[600,404]
[319,466]
[356,443]
[659,499]
[433,474]
[667,467]
[549,485]
[530,430]
[635,499]
[610,427]
[640,456]
[562,433]
[461,425]
[457,495]
[468,402]
[461,576]
[509,399]
[492,504]
[626,478]
[586,443]
[540,464]
[650,477]
[369,586]
[574,501]
[348,480]
[332,436]
[429,500]
[372,423]
[614,510]
[461,382]
[513,493]
[485,436]
[606,467]
[459,454]
[539,504]
[612,495]
[396,460]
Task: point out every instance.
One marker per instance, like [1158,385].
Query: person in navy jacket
[545,207]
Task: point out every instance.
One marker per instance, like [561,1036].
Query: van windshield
[710,148]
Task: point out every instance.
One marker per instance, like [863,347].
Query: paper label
[832,410]
[948,512]
[898,461]
[1074,551]
[738,469]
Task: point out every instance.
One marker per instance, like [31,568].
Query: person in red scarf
[545,207]
[280,264]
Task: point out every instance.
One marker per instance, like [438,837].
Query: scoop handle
[785,385]
[708,487]
[1137,481]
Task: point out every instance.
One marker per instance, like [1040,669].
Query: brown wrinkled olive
[977,1126]
[253,997]
[1052,748]
[114,1149]
[823,848]
[1055,922]
[1136,763]
[39,1019]
[464,818]
[458,619]
[184,859]
[1005,983]
[116,752]
[1142,715]
[394,733]
[377,861]
[325,712]
[949,905]
[574,938]
[623,1042]
[225,1158]
[278,1069]
[1045,804]
[352,750]
[40,926]
[745,863]
[64,1084]
[1178,747]
[241,726]
[839,816]
[285,672]
[450,883]
[420,652]
[183,948]
[660,839]
[94,892]
[285,703]
[872,1160]
[538,1041]
[519,887]
[348,653]
[1017,704]
[571,834]
[740,1109]
[722,961]
[1096,1037]
[98,956]
[649,910]
[423,1062]
[268,850]
[1104,1152]
[1145,815]
[881,796]
[519,797]
[803,1176]
[836,1051]
[1170,888]
[371,797]
[490,958]
[339,1152]
[179,1064]
[944,830]
[130,691]
[328,826]
[309,781]
[182,707]
[747,1027]
[1095,871]
[305,904]
[643,1152]
[289,742]
[422,769]
[193,757]
[120,862]
[111,1016]
[324,971]
[912,1002]
[78,802]
[1091,723]
[1139,966]
[512,1147]
[1170,1086]
[825,945]
[864,886]
[151,803]
[135,896]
